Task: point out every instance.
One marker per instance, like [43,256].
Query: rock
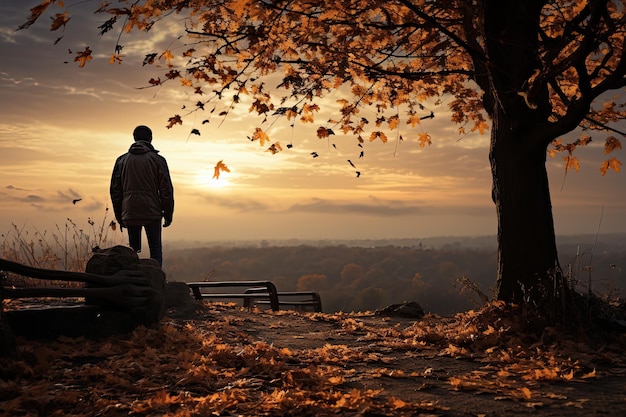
[120,258]
[409,309]
[179,303]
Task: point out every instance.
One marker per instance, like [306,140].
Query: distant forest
[353,278]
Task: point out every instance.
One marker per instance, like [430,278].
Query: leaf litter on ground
[231,361]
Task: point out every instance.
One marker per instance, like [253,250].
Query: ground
[229,361]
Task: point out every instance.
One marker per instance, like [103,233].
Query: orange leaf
[413,120]
[611,144]
[275,148]
[612,163]
[393,122]
[424,139]
[83,57]
[168,56]
[220,166]
[322,132]
[260,135]
[526,393]
[378,135]
[60,19]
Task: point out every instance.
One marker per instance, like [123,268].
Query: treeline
[442,281]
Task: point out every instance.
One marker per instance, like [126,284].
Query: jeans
[153,233]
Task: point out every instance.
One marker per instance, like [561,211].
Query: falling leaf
[167,56]
[424,139]
[275,148]
[149,58]
[378,135]
[322,132]
[174,120]
[219,167]
[83,57]
[60,19]
[260,135]
[195,132]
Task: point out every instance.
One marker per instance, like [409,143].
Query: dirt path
[463,384]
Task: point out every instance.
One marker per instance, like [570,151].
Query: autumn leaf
[167,56]
[378,135]
[220,167]
[322,132]
[83,57]
[149,59]
[413,120]
[60,19]
[260,135]
[35,13]
[115,58]
[275,148]
[393,122]
[195,132]
[174,120]
[611,144]
[481,126]
[424,139]
[612,163]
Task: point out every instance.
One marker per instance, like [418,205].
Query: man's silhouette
[142,193]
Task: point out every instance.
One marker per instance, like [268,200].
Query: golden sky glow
[62,128]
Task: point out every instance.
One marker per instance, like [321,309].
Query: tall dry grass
[67,247]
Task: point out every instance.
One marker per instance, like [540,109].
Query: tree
[537,69]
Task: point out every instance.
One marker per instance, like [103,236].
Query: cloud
[237,204]
[377,208]
[31,198]
[11,187]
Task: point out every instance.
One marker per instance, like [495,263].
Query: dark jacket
[141,188]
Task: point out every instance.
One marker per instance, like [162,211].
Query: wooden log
[126,295]
[121,277]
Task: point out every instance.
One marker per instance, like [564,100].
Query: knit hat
[142,133]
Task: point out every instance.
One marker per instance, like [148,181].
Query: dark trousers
[153,233]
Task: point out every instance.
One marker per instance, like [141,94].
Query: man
[142,193]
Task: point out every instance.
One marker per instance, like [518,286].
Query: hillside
[227,361]
[438,274]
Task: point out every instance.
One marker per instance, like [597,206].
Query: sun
[204,179]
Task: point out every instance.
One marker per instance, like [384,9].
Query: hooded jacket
[141,188]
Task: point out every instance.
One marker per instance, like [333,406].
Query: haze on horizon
[63,127]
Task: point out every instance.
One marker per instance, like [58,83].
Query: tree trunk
[528,267]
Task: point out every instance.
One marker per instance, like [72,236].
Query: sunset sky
[62,127]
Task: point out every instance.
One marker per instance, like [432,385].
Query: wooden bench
[255,289]
[300,300]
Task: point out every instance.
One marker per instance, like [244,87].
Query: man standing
[142,193]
